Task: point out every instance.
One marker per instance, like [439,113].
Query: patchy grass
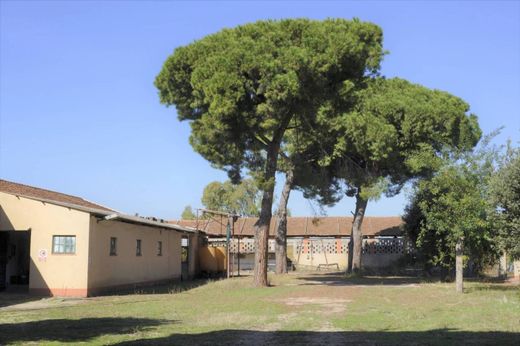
[306,308]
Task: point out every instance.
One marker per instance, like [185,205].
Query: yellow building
[63,245]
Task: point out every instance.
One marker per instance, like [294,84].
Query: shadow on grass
[249,337]
[494,287]
[68,330]
[8,298]
[14,298]
[167,288]
[340,279]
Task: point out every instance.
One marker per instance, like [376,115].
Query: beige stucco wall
[314,260]
[212,259]
[126,268]
[307,259]
[59,274]
[367,260]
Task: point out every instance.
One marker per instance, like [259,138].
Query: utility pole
[228,249]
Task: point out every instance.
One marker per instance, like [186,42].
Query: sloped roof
[323,226]
[79,203]
[36,192]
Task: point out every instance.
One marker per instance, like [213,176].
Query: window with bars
[138,248]
[113,246]
[159,248]
[65,244]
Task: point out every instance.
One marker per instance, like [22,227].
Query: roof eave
[103,213]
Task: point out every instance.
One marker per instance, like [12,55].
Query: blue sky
[79,113]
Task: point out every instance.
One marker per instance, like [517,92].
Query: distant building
[57,244]
[312,242]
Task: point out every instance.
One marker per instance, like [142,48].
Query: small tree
[448,216]
[243,198]
[187,213]
[242,88]
[505,199]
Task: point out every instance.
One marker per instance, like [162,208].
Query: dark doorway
[185,258]
[14,258]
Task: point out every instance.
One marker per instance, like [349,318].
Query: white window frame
[64,244]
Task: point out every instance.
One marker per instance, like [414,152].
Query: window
[138,248]
[184,249]
[113,246]
[159,248]
[64,244]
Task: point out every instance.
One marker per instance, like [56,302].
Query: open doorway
[185,258]
[14,259]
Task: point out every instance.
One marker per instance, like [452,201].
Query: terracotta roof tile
[35,192]
[325,226]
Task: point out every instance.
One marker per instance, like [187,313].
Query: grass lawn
[305,308]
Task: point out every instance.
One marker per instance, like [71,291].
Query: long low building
[312,242]
[305,226]
[58,244]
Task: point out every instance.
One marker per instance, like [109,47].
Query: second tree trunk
[356,236]
[262,225]
[281,229]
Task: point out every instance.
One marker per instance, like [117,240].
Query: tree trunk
[281,230]
[356,237]
[459,251]
[262,225]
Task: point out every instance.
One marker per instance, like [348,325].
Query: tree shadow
[249,337]
[9,298]
[494,287]
[340,279]
[68,330]
[165,288]
[19,297]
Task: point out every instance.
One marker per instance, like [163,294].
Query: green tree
[505,198]
[242,199]
[242,88]
[448,215]
[396,131]
[187,213]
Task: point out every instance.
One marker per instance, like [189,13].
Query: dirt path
[322,297]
